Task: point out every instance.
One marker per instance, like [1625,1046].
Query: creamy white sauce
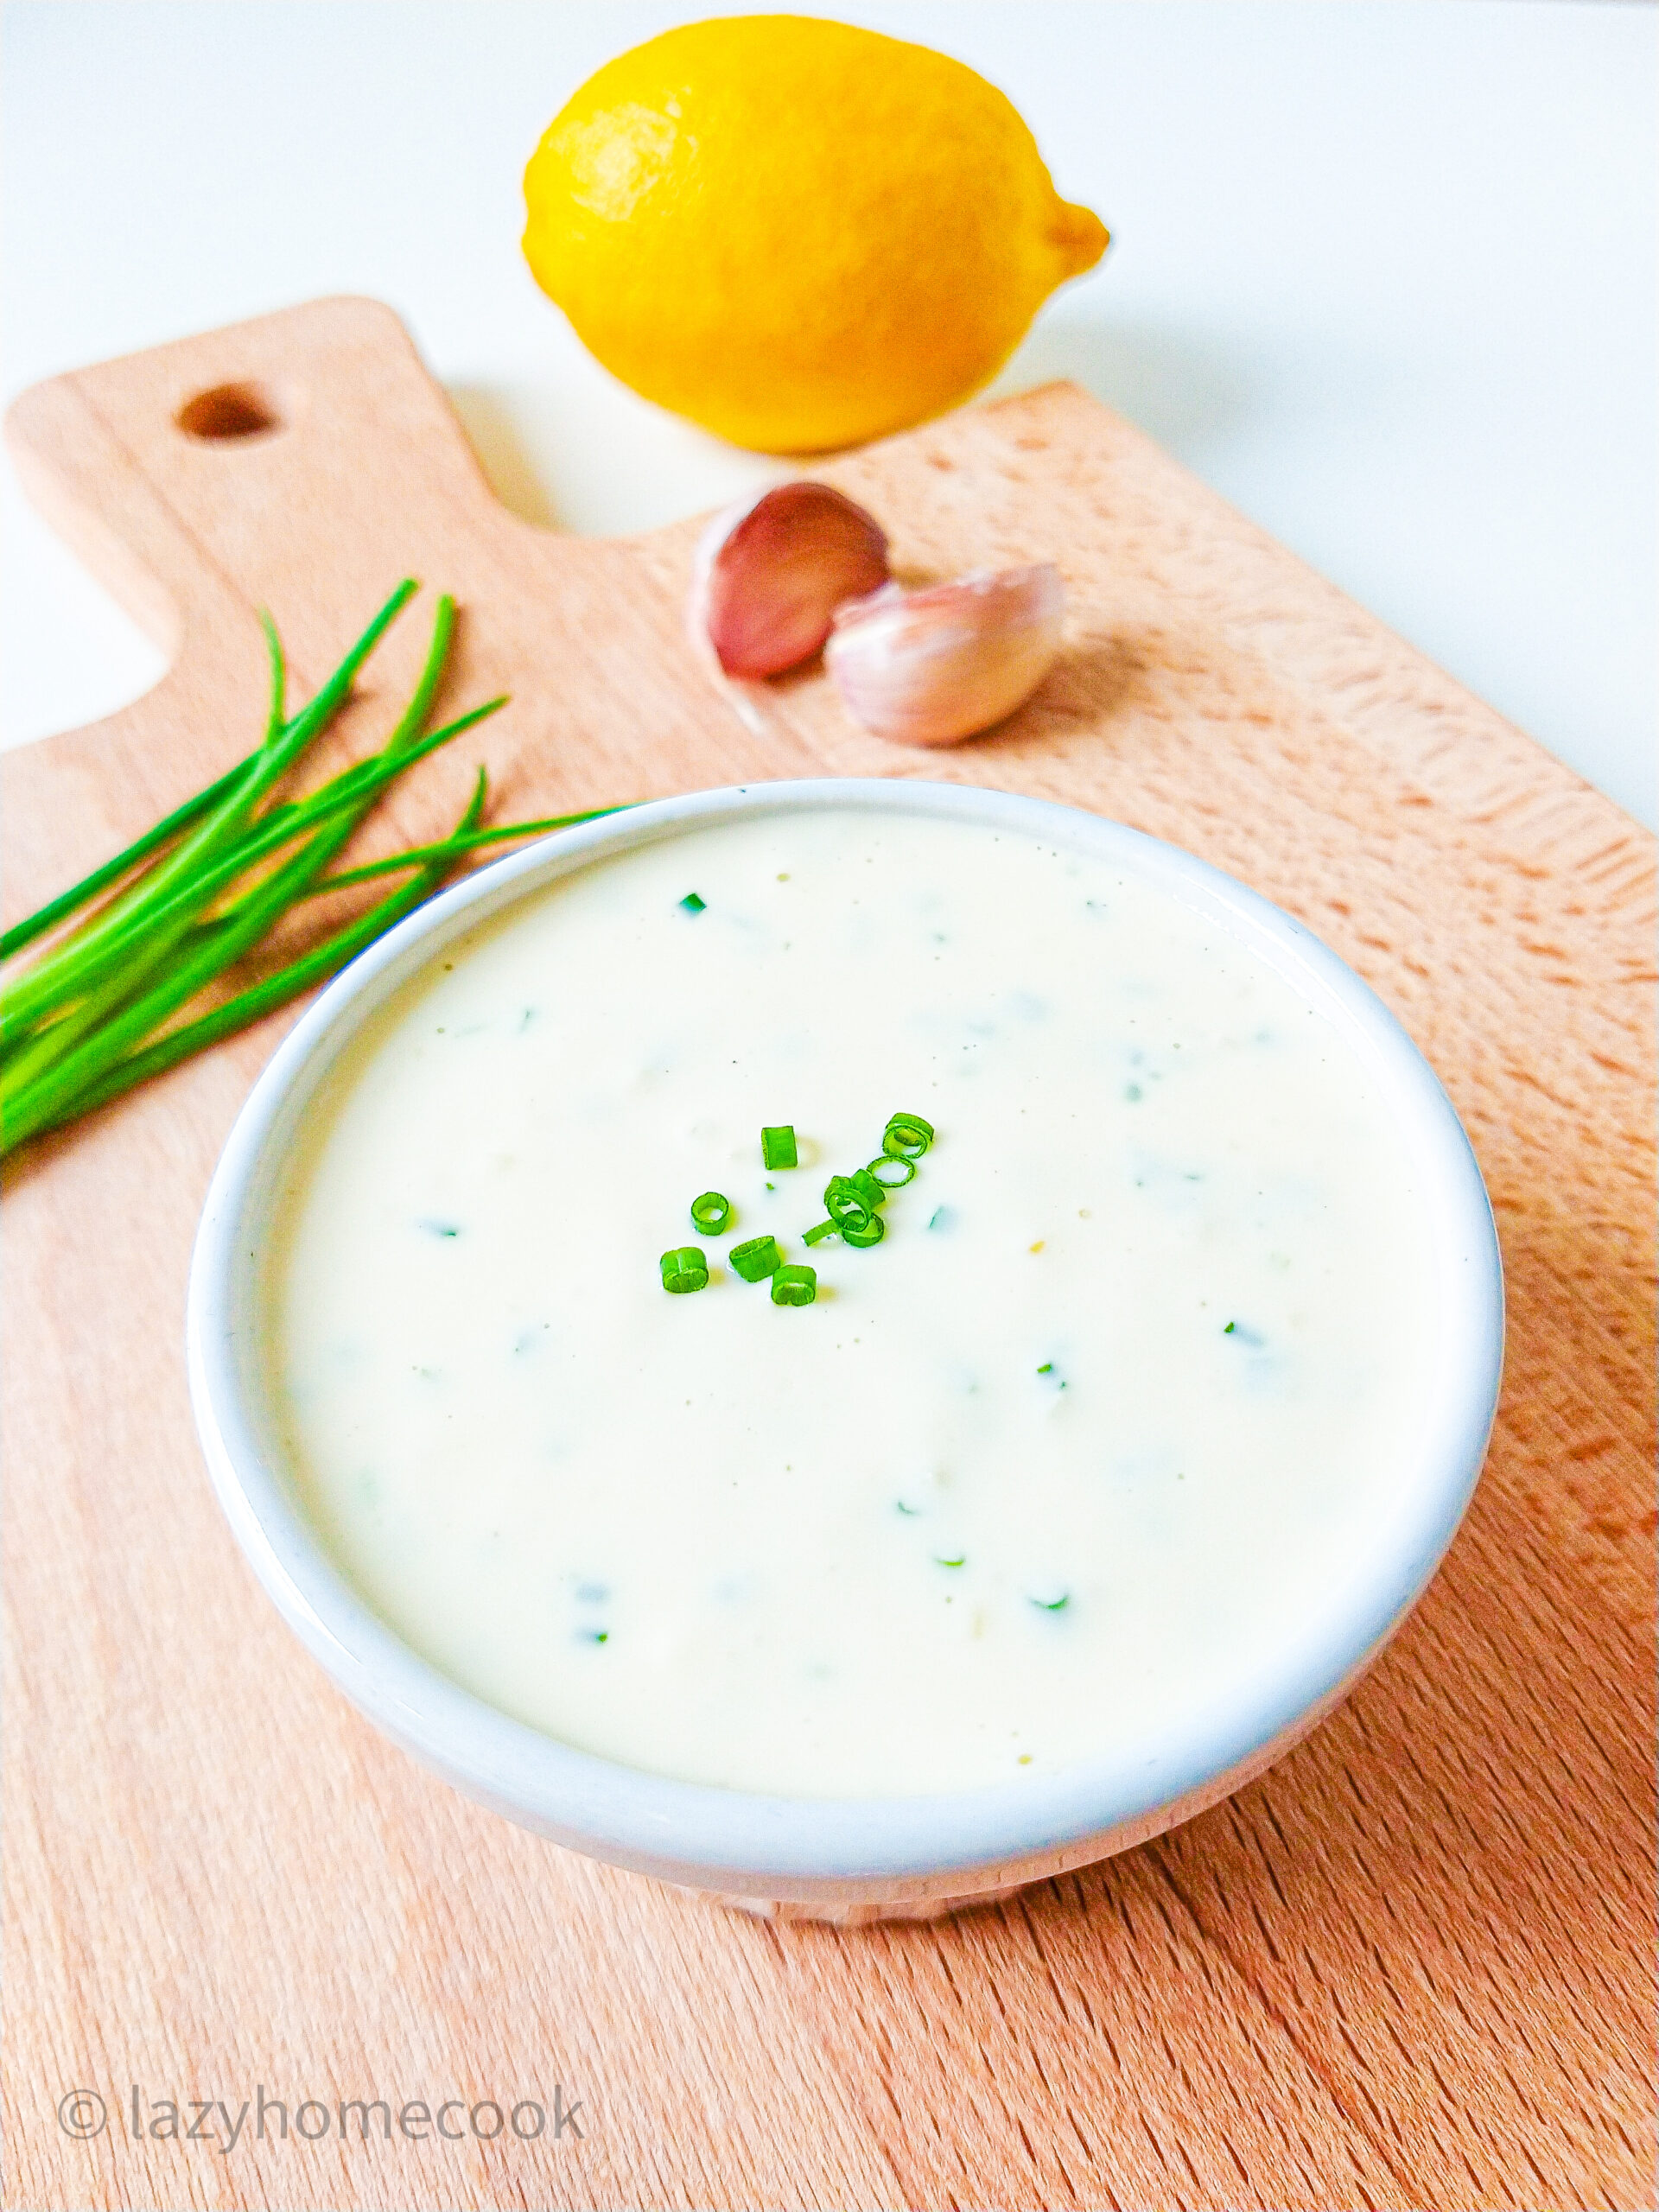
[1142,1344]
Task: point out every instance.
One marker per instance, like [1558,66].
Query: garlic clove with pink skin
[769,573]
[930,667]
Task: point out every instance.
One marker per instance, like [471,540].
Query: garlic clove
[769,574]
[929,667]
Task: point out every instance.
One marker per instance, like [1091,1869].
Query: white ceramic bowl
[853,1859]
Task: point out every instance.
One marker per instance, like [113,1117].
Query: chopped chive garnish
[960,1560]
[711,1213]
[847,1205]
[1230,1327]
[1047,1367]
[907,1136]
[1053,1605]
[891,1174]
[692,904]
[853,1204]
[757,1259]
[684,1270]
[778,1147]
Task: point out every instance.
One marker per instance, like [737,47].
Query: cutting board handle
[242,467]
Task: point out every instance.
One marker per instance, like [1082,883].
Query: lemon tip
[1079,236]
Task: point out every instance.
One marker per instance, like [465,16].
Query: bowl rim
[730,1838]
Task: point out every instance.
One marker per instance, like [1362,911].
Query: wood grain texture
[1411,1967]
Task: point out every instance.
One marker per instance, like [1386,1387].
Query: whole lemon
[797,233]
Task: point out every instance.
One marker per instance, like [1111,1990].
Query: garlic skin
[931,667]
[769,573]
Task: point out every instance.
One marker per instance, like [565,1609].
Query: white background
[1384,273]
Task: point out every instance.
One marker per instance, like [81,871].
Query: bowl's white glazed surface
[841,1857]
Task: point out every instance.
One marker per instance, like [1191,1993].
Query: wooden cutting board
[1413,1967]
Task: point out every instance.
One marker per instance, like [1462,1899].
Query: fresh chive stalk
[87,962]
[107,1004]
[453,846]
[81,894]
[154,902]
[253,1005]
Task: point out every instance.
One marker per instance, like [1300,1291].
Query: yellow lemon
[798,234]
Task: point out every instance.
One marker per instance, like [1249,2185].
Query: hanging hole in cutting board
[230,412]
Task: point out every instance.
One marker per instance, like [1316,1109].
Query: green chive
[82,966]
[1052,1605]
[1230,1327]
[868,1189]
[82,894]
[817,1236]
[60,1064]
[794,1286]
[861,1239]
[251,1005]
[907,1136]
[778,1147]
[684,1270]
[711,1213]
[90,1017]
[960,1560]
[1047,1367]
[757,1259]
[692,904]
[891,1174]
[418,855]
[846,1205]
[96,1014]
[225,824]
